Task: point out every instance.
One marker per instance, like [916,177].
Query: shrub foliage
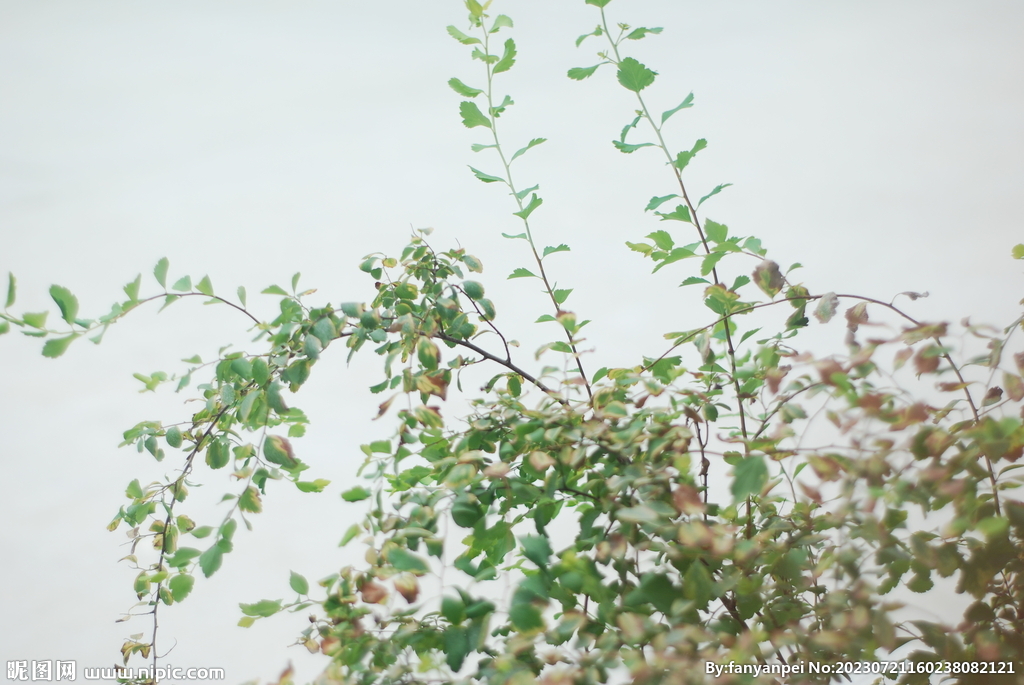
[647,519]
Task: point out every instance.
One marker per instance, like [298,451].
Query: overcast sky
[877,143]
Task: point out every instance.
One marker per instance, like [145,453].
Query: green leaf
[160,272]
[12,289]
[278,451]
[685,104]
[134,490]
[465,91]
[750,475]
[562,295]
[681,213]
[716,232]
[596,32]
[708,264]
[694,280]
[826,308]
[273,290]
[1018,253]
[173,436]
[350,534]
[580,73]
[674,256]
[473,264]
[181,584]
[658,201]
[683,158]
[264,608]
[472,116]
[317,485]
[356,494]
[522,273]
[428,354]
[598,3]
[456,646]
[183,284]
[500,21]
[483,56]
[525,617]
[486,178]
[241,295]
[462,37]
[525,213]
[662,239]
[453,609]
[641,32]
[537,549]
[57,346]
[634,76]
[67,302]
[558,248]
[35,320]
[298,583]
[205,287]
[508,58]
[532,143]
[523,193]
[473,289]
[132,289]
[210,560]
[249,500]
[217,454]
[628,148]
[404,560]
[714,192]
[497,110]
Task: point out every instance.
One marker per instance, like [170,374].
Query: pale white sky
[877,143]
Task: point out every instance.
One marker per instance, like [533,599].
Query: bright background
[878,143]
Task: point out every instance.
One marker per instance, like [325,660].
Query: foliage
[652,517]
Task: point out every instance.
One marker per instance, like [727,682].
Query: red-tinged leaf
[857,315]
[768,278]
[373,593]
[827,368]
[774,377]
[901,357]
[812,492]
[687,500]
[1014,386]
[993,395]
[384,406]
[407,586]
[433,384]
[908,416]
[278,451]
[826,467]
[926,360]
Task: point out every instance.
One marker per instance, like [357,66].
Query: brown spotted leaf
[768,278]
